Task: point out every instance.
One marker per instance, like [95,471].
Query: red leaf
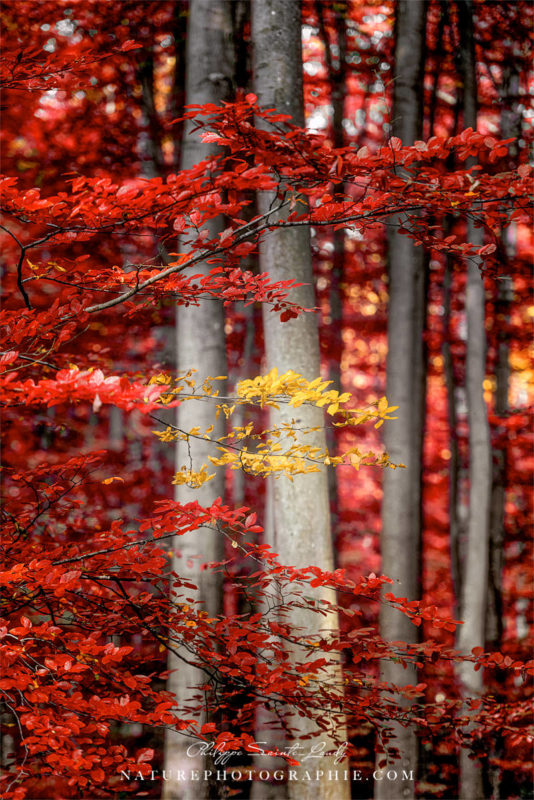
[209,727]
[145,755]
[8,357]
[129,44]
[487,249]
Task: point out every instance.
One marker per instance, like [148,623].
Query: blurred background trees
[447,345]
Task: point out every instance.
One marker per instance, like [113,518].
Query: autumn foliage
[89,605]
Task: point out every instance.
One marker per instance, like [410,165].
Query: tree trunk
[474,593]
[302,533]
[267,727]
[452,419]
[510,127]
[337,78]
[405,382]
[200,345]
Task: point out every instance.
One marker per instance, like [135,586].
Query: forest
[267,392]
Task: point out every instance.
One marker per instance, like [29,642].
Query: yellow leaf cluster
[381,413]
[268,390]
[194,479]
[281,450]
[187,381]
[168,435]
[297,460]
[173,434]
[41,269]
[226,410]
[161,379]
[358,459]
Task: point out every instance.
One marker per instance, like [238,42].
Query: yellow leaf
[162,378]
[110,480]
[194,479]
[382,405]
[355,460]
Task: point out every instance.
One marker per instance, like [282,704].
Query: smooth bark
[401,505]
[510,128]
[200,345]
[336,69]
[301,515]
[473,599]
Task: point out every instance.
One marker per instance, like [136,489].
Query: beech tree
[92,610]
[400,543]
[301,514]
[201,350]
[475,584]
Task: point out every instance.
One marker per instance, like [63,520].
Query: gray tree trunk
[473,599]
[269,734]
[336,68]
[300,508]
[510,127]
[200,345]
[405,382]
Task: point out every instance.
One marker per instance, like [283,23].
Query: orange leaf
[181,257]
